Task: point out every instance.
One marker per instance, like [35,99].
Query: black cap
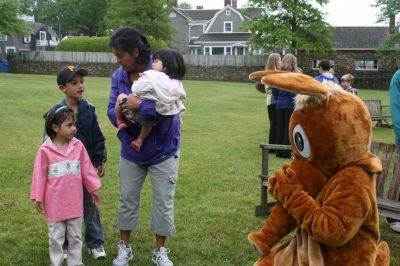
[68,72]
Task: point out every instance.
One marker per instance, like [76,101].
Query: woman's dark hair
[127,38]
[172,61]
[56,116]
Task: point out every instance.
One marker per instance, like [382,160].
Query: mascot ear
[296,83]
[256,76]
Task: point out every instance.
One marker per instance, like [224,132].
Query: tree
[290,24]
[151,16]
[390,9]
[27,7]
[10,24]
[184,5]
[76,16]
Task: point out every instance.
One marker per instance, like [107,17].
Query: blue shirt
[395,104]
[164,138]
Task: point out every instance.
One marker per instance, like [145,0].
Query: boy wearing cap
[71,82]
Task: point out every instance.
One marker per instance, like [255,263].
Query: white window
[27,38]
[228,12]
[227,26]
[228,50]
[217,50]
[316,63]
[172,15]
[42,35]
[366,64]
[3,38]
[240,51]
[206,50]
[10,49]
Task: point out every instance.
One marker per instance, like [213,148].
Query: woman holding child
[158,155]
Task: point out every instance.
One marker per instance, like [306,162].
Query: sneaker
[160,258]
[98,253]
[395,226]
[125,254]
[65,254]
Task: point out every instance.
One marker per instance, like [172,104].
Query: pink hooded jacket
[58,177]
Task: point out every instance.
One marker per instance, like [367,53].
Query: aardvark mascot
[327,193]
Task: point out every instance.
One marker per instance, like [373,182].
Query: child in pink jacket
[62,167]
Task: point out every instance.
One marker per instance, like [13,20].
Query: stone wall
[223,73]
[344,62]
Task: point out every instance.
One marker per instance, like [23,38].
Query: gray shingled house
[212,31]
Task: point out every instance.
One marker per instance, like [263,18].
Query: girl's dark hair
[172,61]
[57,115]
[127,38]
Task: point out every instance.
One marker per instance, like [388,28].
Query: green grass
[217,188]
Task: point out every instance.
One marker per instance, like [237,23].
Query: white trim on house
[219,12]
[7,48]
[226,23]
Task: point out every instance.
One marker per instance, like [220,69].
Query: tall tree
[27,7]
[151,16]
[390,9]
[10,24]
[76,16]
[290,24]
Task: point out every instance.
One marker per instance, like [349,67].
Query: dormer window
[228,26]
[27,38]
[228,12]
[172,15]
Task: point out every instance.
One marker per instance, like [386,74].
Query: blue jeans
[93,229]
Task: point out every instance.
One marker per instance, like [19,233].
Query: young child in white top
[62,167]
[162,85]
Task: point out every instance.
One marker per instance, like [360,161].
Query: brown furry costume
[328,191]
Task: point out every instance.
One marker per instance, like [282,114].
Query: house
[212,31]
[356,53]
[39,37]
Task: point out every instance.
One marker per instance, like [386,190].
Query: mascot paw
[257,240]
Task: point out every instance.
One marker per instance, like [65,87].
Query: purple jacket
[164,138]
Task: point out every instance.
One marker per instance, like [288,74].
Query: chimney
[199,7]
[232,3]
[392,24]
[174,3]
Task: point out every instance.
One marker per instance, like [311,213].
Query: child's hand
[95,197]
[101,170]
[40,208]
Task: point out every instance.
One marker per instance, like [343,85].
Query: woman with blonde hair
[273,63]
[285,106]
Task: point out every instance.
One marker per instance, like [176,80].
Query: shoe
[65,254]
[125,254]
[160,258]
[98,253]
[395,226]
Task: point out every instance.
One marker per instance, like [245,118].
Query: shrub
[99,44]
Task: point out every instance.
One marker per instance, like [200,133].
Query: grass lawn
[217,189]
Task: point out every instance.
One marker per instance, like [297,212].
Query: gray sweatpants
[56,241]
[163,177]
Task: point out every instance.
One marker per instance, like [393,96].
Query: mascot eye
[300,141]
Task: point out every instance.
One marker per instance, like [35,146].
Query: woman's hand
[40,208]
[95,197]
[133,102]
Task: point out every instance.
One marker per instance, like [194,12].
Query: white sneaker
[98,253]
[160,258]
[65,254]
[395,226]
[125,254]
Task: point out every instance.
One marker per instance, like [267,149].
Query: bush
[99,44]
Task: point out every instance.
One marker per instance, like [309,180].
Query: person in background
[62,168]
[285,107]
[159,154]
[70,81]
[324,67]
[394,92]
[273,63]
[347,83]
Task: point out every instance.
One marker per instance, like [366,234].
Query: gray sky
[338,12]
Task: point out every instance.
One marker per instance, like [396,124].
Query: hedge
[99,44]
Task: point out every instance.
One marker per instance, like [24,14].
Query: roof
[17,43]
[208,14]
[223,37]
[359,38]
[36,26]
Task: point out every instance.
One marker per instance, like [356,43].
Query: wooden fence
[92,57]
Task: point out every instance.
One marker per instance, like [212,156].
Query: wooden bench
[375,110]
[387,181]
